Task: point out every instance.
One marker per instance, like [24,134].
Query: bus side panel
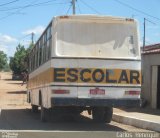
[39,84]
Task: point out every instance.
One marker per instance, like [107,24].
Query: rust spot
[64,17]
[129,19]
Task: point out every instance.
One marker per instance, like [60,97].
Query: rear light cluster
[60,91]
[132,92]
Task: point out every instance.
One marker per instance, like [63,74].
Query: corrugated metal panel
[151,49]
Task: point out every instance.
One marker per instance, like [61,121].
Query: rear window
[100,40]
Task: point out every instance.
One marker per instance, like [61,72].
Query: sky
[19,18]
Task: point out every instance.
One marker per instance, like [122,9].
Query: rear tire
[98,114]
[108,114]
[45,114]
[102,114]
[34,108]
[43,110]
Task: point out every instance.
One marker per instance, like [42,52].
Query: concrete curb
[145,124]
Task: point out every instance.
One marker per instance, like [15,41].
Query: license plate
[97,91]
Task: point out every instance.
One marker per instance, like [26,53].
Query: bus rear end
[96,64]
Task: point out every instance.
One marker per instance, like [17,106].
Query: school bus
[86,62]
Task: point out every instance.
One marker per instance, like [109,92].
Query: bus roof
[94,17]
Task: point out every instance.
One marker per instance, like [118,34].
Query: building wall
[150,64]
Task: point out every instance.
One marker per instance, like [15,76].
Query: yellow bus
[86,62]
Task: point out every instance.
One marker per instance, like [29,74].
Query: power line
[32,5]
[27,6]
[148,42]
[20,38]
[59,10]
[150,21]
[68,9]
[9,3]
[4,17]
[142,12]
[90,7]
[79,7]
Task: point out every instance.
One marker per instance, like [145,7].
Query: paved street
[24,119]
[27,124]
[16,115]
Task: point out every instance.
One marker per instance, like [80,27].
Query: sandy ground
[12,93]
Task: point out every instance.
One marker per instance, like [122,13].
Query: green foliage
[29,48]
[19,62]
[7,68]
[3,60]
[27,54]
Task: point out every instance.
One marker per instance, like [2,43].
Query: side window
[40,53]
[32,60]
[29,62]
[44,48]
[49,51]
[44,53]
[37,57]
[34,53]
[49,40]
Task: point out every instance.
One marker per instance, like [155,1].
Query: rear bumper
[95,102]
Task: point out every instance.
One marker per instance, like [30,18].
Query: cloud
[6,39]
[7,44]
[3,48]
[36,30]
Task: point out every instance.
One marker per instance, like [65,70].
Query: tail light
[132,92]
[60,92]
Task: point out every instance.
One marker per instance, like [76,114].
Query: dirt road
[12,94]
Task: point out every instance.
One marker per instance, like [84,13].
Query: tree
[17,63]
[27,54]
[30,48]
[3,60]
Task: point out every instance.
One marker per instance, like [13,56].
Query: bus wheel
[98,114]
[108,114]
[102,114]
[34,108]
[45,114]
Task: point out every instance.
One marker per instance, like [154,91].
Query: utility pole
[144,37]
[32,37]
[74,6]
